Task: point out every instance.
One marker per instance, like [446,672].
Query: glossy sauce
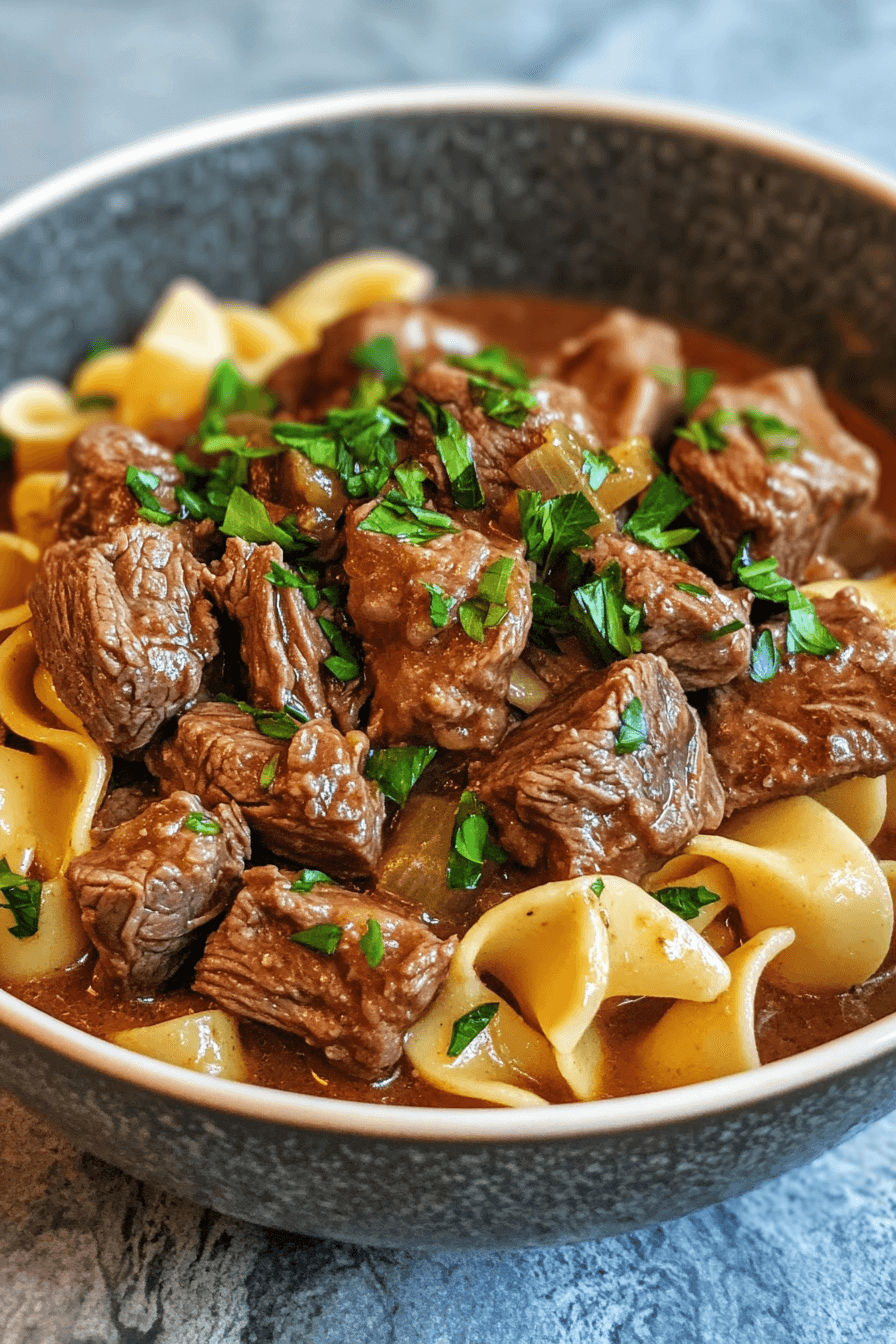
[786,1023]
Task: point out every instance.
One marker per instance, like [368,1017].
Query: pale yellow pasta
[694,1042]
[60,939]
[795,863]
[34,504]
[879,594]
[259,341]
[347,284]
[204,1042]
[41,418]
[105,374]
[860,803]
[18,561]
[689,870]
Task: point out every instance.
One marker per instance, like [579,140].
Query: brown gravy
[786,1023]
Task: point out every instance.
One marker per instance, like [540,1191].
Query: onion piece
[527,690]
[415,863]
[557,467]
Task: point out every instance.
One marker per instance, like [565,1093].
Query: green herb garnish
[397,769]
[380,355]
[608,622]
[597,467]
[343,662]
[488,608]
[686,902]
[248,518]
[764,658]
[632,732]
[597,886]
[554,527]
[320,937]
[281,577]
[266,778]
[358,443]
[455,447]
[439,605]
[499,383]
[781,442]
[96,348]
[693,588]
[410,476]
[308,878]
[95,402]
[467,1028]
[395,516]
[805,632]
[724,630]
[697,383]
[371,944]
[470,844]
[22,900]
[281,724]
[143,485]
[709,433]
[228,393]
[661,505]
[200,824]
[549,618]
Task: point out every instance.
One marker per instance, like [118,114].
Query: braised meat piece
[433,684]
[323,378]
[790,503]
[864,545]
[154,882]
[683,626]
[281,643]
[96,499]
[611,362]
[356,1013]
[124,630]
[563,794]
[818,720]
[119,805]
[305,796]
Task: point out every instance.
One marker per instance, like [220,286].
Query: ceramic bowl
[748,232]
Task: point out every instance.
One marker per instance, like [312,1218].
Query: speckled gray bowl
[747,232]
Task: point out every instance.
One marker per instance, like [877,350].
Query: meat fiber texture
[152,885]
[96,500]
[790,508]
[125,631]
[817,721]
[357,1014]
[681,626]
[318,808]
[431,684]
[561,796]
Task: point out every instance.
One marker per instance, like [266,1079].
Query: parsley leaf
[343,662]
[693,588]
[22,900]
[248,518]
[499,383]
[397,517]
[724,630]
[410,476]
[358,443]
[320,937]
[143,485]
[397,769]
[760,576]
[805,632]
[488,608]
[597,467]
[470,844]
[200,824]
[308,878]
[553,527]
[455,447]
[281,577]
[708,434]
[371,944]
[467,1028]
[686,902]
[228,393]
[697,383]
[607,621]
[494,361]
[549,617]
[381,356]
[282,724]
[668,375]
[663,501]
[781,442]
[439,605]
[632,732]
[597,886]
[764,658]
[266,778]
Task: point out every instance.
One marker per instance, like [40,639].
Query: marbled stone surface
[88,1255]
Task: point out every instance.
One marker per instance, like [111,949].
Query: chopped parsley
[410,476]
[470,844]
[281,577]
[764,658]
[266,778]
[488,608]
[320,937]
[308,878]
[379,357]
[439,605]
[596,467]
[22,901]
[343,662]
[201,824]
[248,518]
[781,442]
[694,384]
[371,944]
[549,618]
[760,576]
[693,588]
[96,348]
[608,622]
[396,516]
[358,443]
[228,393]
[709,433]
[467,1028]
[454,446]
[143,485]
[805,632]
[397,769]
[282,724]
[686,902]
[724,630]
[499,383]
[663,501]
[597,886]
[554,527]
[632,731]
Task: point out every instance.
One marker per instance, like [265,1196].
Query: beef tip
[431,684]
[864,545]
[338,1003]
[611,363]
[119,805]
[96,499]
[681,626]
[562,797]
[281,643]
[318,809]
[791,508]
[496,447]
[124,630]
[323,378]
[154,882]
[817,721]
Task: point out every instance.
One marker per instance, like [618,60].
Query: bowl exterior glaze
[741,236]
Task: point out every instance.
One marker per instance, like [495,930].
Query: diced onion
[527,690]
[415,862]
[557,467]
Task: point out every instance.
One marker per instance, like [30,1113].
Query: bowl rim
[455,1125]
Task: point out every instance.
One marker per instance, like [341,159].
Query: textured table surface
[89,1256]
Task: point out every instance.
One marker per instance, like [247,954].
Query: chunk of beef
[864,545]
[154,882]
[611,363]
[281,643]
[119,805]
[680,625]
[357,1014]
[124,630]
[430,684]
[817,721]
[318,808]
[96,499]
[791,508]
[322,379]
[561,796]
[496,447]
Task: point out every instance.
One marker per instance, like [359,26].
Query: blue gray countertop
[90,1256]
